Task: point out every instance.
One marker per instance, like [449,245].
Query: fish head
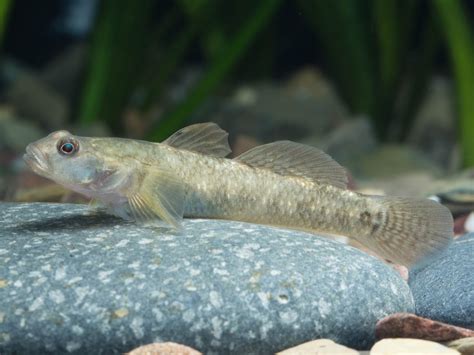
[78,163]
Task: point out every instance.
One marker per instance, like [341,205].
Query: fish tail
[409,231]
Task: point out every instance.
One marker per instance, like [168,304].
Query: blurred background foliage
[380,56]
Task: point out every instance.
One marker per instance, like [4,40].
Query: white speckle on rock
[215,343]
[188,315]
[35,274]
[60,273]
[134,265]
[221,272]
[215,299]
[190,286]
[324,308]
[122,243]
[393,288]
[73,346]
[288,317]
[18,283]
[3,251]
[275,272]
[41,280]
[37,303]
[253,246]
[103,275]
[4,338]
[46,267]
[216,327]
[159,316]
[19,312]
[77,329]
[74,280]
[56,296]
[264,298]
[137,327]
[264,328]
[194,272]
[81,293]
[145,241]
[244,253]
[2,317]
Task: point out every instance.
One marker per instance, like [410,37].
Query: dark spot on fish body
[342,218]
[365,218]
[368,220]
[377,222]
[322,210]
[375,227]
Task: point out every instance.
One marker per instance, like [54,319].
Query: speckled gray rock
[71,281]
[444,290]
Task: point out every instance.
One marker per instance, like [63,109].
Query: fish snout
[35,158]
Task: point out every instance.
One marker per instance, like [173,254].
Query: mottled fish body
[281,184]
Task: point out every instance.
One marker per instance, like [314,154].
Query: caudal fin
[411,231]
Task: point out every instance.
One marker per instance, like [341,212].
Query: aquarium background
[385,87]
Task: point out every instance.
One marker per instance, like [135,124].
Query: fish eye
[68,147]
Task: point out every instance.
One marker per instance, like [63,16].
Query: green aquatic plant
[460,42]
[114,59]
[5,6]
[222,64]
[339,28]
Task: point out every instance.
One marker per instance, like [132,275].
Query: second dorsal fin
[205,138]
[295,159]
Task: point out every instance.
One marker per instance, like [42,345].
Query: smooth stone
[405,325]
[469,225]
[465,345]
[74,281]
[434,128]
[164,349]
[319,347]
[391,160]
[444,289]
[405,346]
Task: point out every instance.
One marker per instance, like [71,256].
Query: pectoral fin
[159,198]
[205,138]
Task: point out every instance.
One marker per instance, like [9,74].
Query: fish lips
[36,160]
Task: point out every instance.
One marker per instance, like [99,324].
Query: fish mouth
[36,160]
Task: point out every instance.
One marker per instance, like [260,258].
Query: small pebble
[317,347]
[465,345]
[469,224]
[406,325]
[164,349]
[404,346]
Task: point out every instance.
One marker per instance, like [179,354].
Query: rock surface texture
[444,290]
[73,281]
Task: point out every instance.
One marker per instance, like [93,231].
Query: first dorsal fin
[205,138]
[295,159]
